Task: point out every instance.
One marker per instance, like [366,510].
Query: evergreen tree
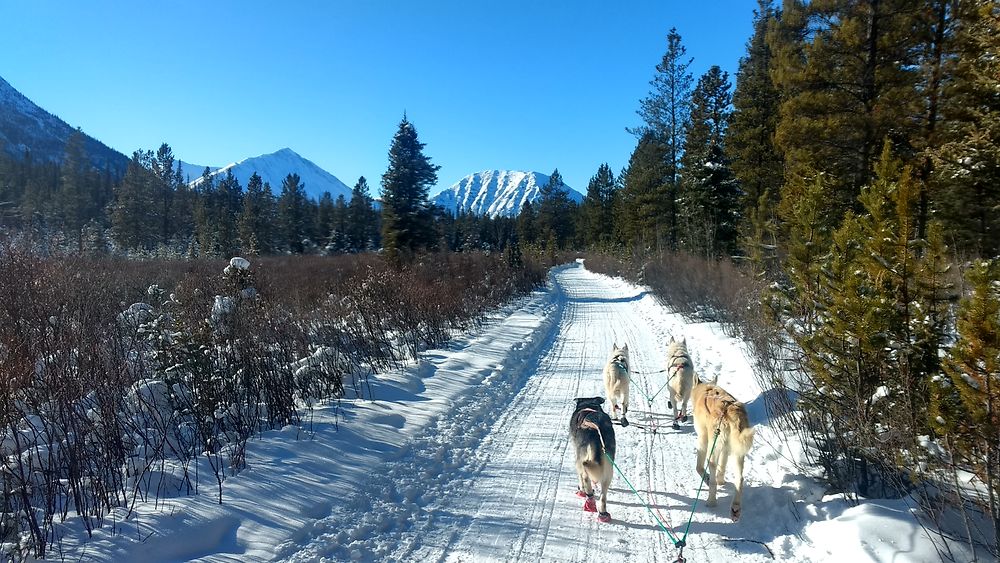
[645,206]
[527,224]
[847,73]
[164,189]
[756,161]
[665,112]
[596,219]
[709,197]
[967,408]
[228,207]
[325,218]
[967,163]
[407,223]
[362,220]
[74,200]
[205,204]
[292,210]
[555,211]
[256,218]
[131,215]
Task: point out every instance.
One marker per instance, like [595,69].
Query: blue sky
[530,85]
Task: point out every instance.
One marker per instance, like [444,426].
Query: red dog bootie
[604,517]
[580,493]
[590,505]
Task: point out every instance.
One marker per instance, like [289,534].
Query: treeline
[854,172]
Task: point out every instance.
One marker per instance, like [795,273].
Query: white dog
[680,371]
[715,409]
[616,381]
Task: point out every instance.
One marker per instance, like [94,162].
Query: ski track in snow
[494,479]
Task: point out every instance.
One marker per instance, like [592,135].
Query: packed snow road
[511,497]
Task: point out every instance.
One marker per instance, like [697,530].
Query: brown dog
[715,409]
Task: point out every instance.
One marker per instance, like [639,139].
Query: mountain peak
[274,167]
[496,192]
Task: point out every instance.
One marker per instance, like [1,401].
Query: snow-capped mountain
[495,192]
[274,167]
[191,172]
[26,127]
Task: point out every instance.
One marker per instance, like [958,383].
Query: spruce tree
[74,200]
[596,220]
[967,163]
[362,221]
[292,211]
[708,199]
[756,161]
[407,222]
[131,215]
[644,206]
[555,211]
[847,73]
[527,225]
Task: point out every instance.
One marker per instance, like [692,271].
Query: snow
[463,456]
[274,167]
[495,192]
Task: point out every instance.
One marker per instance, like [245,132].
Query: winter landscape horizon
[452,281]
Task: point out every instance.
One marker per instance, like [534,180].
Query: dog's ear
[600,400]
[614,346]
[625,348]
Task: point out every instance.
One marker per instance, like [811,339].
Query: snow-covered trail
[513,498]
[522,506]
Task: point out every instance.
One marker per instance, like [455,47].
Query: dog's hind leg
[736,508]
[606,474]
[713,483]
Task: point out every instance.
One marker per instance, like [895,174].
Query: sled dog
[592,435]
[715,408]
[680,371]
[616,381]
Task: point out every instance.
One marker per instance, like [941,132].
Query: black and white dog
[593,436]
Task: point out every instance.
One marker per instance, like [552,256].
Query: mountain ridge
[496,192]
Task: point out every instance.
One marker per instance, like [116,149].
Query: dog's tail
[593,460]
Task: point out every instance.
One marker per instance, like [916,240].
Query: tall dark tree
[756,161]
[74,196]
[407,222]
[967,162]
[527,224]
[596,219]
[847,72]
[256,218]
[362,220]
[164,189]
[131,214]
[709,197]
[644,205]
[555,211]
[664,111]
[228,207]
[292,209]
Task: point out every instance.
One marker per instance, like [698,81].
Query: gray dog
[592,435]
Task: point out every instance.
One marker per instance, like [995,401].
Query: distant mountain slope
[274,167]
[25,126]
[495,192]
[191,172]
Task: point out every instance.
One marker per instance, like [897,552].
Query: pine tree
[642,212]
[229,204]
[256,218]
[555,211]
[325,218]
[967,163]
[708,199]
[74,202]
[756,161]
[407,222]
[164,190]
[292,210]
[362,220]
[596,220]
[847,74]
[527,224]
[131,211]
[968,399]
[665,113]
